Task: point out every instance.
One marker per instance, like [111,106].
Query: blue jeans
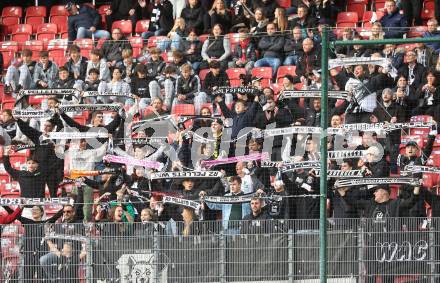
[290,60]
[86,33]
[269,62]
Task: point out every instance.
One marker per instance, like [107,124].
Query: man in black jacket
[83,22]
[112,49]
[215,79]
[414,72]
[121,10]
[49,163]
[257,221]
[77,65]
[271,46]
[32,181]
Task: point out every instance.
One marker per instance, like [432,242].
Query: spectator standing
[412,10]
[193,15]
[220,15]
[161,21]
[84,22]
[121,10]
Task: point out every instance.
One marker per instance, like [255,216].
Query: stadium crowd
[147,88]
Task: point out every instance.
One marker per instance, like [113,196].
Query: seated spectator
[161,21]
[432,32]
[20,76]
[158,108]
[220,15]
[46,72]
[111,49]
[258,23]
[139,86]
[342,50]
[177,33]
[268,7]
[214,79]
[77,65]
[281,20]
[121,10]
[84,22]
[128,65]
[97,62]
[376,34]
[245,53]
[394,24]
[64,79]
[271,46]
[178,61]
[192,49]
[166,83]
[396,55]
[116,85]
[8,125]
[193,15]
[188,89]
[303,20]
[425,55]
[155,66]
[413,71]
[92,83]
[216,48]
[293,47]
[309,60]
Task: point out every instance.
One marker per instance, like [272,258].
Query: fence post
[222,259]
[361,256]
[89,257]
[431,244]
[290,259]
[156,253]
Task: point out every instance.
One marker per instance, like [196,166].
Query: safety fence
[359,250]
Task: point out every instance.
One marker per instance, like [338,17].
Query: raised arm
[32,134]
[72,123]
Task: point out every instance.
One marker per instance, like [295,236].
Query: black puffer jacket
[194,17]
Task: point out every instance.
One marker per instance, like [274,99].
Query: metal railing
[359,250]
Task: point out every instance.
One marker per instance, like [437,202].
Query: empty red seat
[430,180]
[434,159]
[428,11]
[265,73]
[234,40]
[137,43]
[86,45]
[356,7]
[417,31]
[347,17]
[8,50]
[284,3]
[285,70]
[183,109]
[234,75]
[21,33]
[203,37]
[35,15]
[142,26]
[102,11]
[58,10]
[57,51]
[202,75]
[60,21]
[35,46]
[125,26]
[11,16]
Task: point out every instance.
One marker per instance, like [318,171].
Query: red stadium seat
[234,75]
[420,131]
[347,17]
[100,43]
[417,31]
[203,37]
[152,41]
[9,22]
[35,15]
[102,10]
[430,180]
[183,109]
[207,105]
[86,45]
[47,31]
[428,11]
[358,8]
[35,46]
[58,10]
[366,18]
[142,26]
[57,51]
[234,40]
[12,11]
[265,73]
[285,70]
[21,33]
[125,26]
[8,50]
[137,43]
[434,159]
[60,21]
[284,3]
[202,75]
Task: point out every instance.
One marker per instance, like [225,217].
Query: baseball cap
[412,143]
